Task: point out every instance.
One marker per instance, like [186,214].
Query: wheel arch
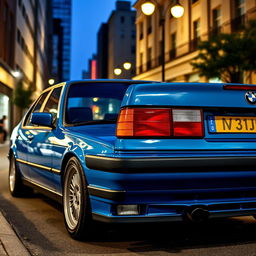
[65,160]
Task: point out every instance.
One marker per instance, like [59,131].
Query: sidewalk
[10,244]
[6,144]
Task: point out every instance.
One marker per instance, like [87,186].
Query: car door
[24,137]
[40,155]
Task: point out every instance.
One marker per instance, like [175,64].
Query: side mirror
[42,119]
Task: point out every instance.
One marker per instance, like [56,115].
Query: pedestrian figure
[3,129]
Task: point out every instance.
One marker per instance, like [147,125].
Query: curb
[10,244]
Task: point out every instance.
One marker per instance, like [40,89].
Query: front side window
[36,108]
[53,102]
[90,103]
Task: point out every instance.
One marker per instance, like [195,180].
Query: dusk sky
[86,20]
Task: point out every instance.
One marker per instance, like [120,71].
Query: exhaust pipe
[196,214]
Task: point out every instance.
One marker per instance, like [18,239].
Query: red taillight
[159,122]
[144,122]
[240,87]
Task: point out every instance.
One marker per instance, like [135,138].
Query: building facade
[24,52]
[201,18]
[120,41]
[7,58]
[61,40]
[92,71]
[102,52]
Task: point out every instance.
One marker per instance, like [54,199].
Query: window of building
[196,35]
[122,19]
[141,30]
[239,8]
[149,24]
[18,36]
[216,18]
[196,29]
[23,11]
[173,41]
[149,58]
[239,15]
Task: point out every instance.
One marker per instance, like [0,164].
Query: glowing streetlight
[177,10]
[117,71]
[127,65]
[148,8]
[16,74]
[51,81]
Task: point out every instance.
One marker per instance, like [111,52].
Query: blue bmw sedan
[132,151]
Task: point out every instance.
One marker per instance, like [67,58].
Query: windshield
[89,103]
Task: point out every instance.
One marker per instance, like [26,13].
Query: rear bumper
[164,187]
[168,164]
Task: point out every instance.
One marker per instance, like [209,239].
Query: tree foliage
[228,56]
[22,96]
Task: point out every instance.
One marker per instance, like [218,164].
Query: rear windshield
[90,103]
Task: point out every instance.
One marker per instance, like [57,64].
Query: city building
[201,18]
[92,71]
[61,42]
[25,28]
[117,43]
[102,51]
[7,61]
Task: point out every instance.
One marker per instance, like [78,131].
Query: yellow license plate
[232,124]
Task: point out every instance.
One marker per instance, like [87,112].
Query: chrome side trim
[49,169]
[105,190]
[41,186]
[109,194]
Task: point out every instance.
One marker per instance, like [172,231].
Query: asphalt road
[39,223]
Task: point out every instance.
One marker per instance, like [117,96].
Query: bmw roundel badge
[250,97]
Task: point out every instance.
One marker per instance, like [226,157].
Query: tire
[16,187]
[76,204]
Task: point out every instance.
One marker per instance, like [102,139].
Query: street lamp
[148,8]
[177,11]
[117,71]
[127,65]
[16,74]
[51,81]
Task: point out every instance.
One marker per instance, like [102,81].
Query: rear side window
[94,102]
[36,108]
